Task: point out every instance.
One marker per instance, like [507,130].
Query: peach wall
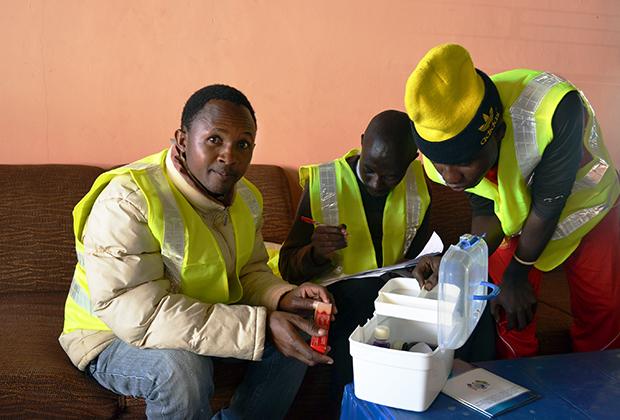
[103,82]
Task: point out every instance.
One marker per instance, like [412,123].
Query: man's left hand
[516,298]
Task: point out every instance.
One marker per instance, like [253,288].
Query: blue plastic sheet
[572,386]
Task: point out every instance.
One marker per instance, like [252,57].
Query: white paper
[434,244]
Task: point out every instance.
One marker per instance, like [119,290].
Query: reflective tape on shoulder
[173,244]
[522,113]
[413,205]
[329,196]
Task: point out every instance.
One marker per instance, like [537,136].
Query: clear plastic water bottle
[382,336]
[463,275]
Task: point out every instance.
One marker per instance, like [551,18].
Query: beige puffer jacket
[132,295]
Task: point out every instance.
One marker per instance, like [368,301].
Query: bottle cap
[382,332]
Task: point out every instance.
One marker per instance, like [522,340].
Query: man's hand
[326,240]
[426,272]
[284,328]
[516,298]
[303,299]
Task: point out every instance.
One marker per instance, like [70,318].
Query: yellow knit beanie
[454,107]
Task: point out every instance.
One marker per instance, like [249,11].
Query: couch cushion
[37,252]
[37,379]
[278,210]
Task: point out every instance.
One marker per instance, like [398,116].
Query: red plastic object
[322,318]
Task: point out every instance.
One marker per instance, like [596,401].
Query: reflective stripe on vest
[329,194]
[250,200]
[594,175]
[414,204]
[79,296]
[80,257]
[522,113]
[593,143]
[579,218]
[173,245]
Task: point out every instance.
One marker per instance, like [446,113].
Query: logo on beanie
[490,121]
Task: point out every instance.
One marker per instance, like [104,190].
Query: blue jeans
[178,384]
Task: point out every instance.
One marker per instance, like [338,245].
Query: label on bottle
[322,318]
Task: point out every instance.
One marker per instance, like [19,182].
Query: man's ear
[180,139]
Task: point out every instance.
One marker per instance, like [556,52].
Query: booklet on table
[484,391]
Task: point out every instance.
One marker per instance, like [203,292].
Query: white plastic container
[443,318]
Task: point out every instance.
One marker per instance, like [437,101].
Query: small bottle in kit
[382,336]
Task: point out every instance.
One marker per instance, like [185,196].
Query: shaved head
[390,132]
[388,149]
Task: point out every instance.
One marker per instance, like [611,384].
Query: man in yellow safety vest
[370,209]
[527,148]
[172,272]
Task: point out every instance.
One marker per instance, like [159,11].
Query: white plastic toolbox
[443,318]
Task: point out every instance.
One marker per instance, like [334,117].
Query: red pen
[309,221]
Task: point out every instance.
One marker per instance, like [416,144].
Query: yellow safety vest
[192,257]
[530,99]
[335,198]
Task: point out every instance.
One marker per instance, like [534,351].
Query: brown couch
[37,257]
